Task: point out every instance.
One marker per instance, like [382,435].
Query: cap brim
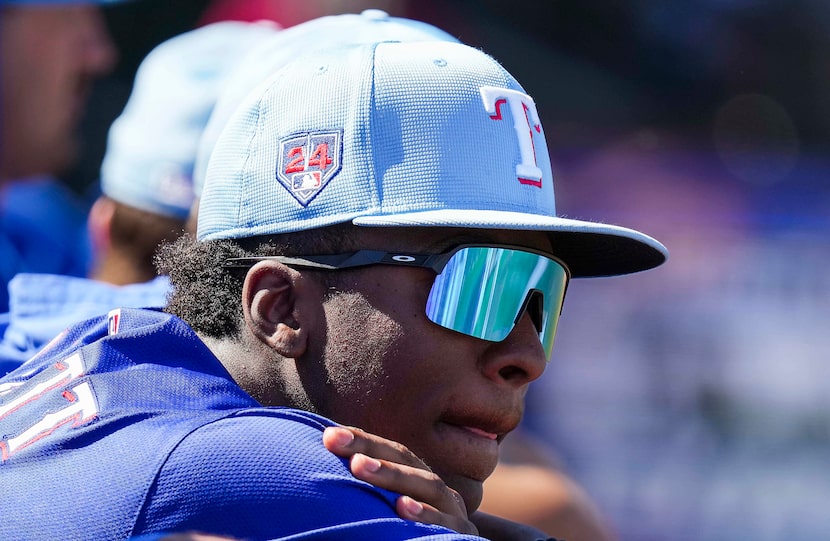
[589,249]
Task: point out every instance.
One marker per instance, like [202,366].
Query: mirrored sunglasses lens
[481,290]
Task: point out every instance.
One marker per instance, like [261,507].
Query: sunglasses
[479,290]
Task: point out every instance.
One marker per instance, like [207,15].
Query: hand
[390,465]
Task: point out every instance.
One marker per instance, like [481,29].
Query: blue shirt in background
[42,229]
[43,305]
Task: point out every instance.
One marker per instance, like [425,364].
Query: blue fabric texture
[43,305]
[128,425]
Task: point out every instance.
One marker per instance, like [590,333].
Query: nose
[518,359]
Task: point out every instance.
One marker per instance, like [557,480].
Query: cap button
[374,14]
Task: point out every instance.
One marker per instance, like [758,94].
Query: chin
[470,489]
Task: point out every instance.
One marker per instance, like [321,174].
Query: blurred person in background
[146,184]
[50,54]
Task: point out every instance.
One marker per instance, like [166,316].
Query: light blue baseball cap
[370,26]
[151,146]
[394,134]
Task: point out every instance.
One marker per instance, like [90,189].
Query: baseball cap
[151,146]
[392,134]
[371,25]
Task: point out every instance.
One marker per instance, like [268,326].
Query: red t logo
[525,120]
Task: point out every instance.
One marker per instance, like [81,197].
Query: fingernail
[412,507]
[342,437]
[370,463]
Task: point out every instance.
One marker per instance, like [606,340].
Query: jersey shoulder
[263,473]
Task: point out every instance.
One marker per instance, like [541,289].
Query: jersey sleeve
[265,474]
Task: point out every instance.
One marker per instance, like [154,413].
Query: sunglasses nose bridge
[533,306]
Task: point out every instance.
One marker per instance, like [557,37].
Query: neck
[116,270]
[259,371]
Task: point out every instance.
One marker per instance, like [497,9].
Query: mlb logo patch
[308,161]
[113,321]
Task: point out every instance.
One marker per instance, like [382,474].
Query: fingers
[348,441]
[419,484]
[426,498]
[390,465]
[411,509]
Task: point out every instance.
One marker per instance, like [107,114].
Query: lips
[489,426]
[467,447]
[464,449]
[480,432]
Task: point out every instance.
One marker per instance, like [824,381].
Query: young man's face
[449,397]
[49,57]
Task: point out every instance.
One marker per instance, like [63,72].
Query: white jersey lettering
[82,407]
[68,369]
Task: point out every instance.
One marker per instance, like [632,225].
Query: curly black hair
[208,296]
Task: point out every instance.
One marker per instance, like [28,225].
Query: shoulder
[271,453]
[264,473]
[46,301]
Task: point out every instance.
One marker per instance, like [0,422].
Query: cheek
[377,360]
[359,341]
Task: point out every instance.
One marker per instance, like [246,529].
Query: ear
[98,224]
[270,301]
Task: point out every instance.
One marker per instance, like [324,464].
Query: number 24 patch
[308,161]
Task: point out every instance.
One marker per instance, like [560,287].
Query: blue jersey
[128,424]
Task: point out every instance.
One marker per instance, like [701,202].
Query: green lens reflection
[481,290]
